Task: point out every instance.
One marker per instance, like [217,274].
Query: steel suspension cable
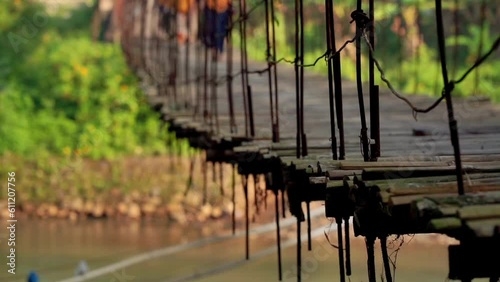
[187,86]
[198,64]
[244,77]
[303,134]
[276,128]
[229,75]
[329,30]
[447,94]
[270,66]
[374,90]
[360,19]
[337,80]
[297,80]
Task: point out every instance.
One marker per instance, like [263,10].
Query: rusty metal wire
[328,55]
[450,85]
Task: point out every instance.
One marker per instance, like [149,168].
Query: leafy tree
[67,95]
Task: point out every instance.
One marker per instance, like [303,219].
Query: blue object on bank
[33,277]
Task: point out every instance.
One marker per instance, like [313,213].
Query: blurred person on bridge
[217,14]
[187,20]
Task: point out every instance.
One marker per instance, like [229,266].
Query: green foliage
[406,45]
[72,116]
[66,95]
[475,43]
[79,23]
[51,179]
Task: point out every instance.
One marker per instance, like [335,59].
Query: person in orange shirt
[186,20]
[220,6]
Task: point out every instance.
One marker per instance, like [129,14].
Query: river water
[53,248]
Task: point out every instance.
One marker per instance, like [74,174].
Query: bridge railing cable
[327,55]
[451,84]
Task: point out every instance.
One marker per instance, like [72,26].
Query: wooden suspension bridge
[390,168]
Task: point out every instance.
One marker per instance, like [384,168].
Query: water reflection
[53,249]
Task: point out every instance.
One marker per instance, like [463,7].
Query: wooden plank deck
[416,150]
[410,189]
[401,135]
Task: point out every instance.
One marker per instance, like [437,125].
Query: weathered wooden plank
[440,188]
[485,228]
[428,205]
[442,158]
[334,174]
[445,224]
[406,172]
[483,198]
[334,184]
[318,180]
[480,212]
[415,182]
[446,188]
[412,169]
[352,165]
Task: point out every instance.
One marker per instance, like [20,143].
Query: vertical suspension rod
[229,61]
[447,93]
[278,236]
[157,54]
[347,235]
[174,52]
[276,129]
[374,90]
[215,55]
[303,134]
[370,249]
[309,239]
[297,80]
[204,167]
[247,219]
[283,208]
[256,194]
[205,86]
[359,83]
[143,34]
[221,178]
[269,69]
[385,259]
[191,174]
[341,249]
[299,251]
[187,84]
[329,46]
[199,47]
[214,116]
[244,74]
[233,198]
[250,111]
[337,80]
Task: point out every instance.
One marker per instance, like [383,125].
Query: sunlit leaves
[71,96]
